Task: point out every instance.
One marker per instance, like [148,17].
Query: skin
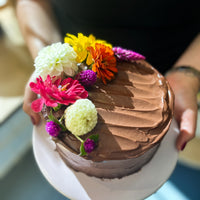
[36,37]
[184,85]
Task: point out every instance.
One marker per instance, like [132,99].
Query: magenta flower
[87,78]
[89,145]
[52,128]
[56,92]
[126,55]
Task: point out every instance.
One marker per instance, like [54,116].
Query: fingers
[187,128]
[29,97]
[185,88]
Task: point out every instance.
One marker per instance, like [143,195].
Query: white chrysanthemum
[54,59]
[81,117]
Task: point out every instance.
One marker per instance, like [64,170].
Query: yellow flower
[80,45]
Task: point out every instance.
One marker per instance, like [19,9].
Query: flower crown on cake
[64,72]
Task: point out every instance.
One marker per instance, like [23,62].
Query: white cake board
[78,186]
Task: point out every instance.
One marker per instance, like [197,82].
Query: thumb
[187,127]
[29,97]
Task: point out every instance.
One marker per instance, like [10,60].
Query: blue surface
[25,182]
[187,180]
[15,136]
[184,184]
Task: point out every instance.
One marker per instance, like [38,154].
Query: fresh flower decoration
[55,59]
[52,128]
[127,55]
[87,78]
[85,59]
[104,62]
[89,144]
[81,117]
[97,53]
[80,45]
[56,92]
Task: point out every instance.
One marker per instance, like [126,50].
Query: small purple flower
[87,78]
[52,128]
[89,145]
[126,55]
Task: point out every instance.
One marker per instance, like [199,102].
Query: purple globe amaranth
[52,128]
[126,55]
[87,78]
[89,145]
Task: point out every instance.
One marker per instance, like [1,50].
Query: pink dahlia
[126,55]
[53,92]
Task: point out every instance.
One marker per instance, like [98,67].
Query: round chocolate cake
[134,114]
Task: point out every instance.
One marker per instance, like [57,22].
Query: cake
[113,127]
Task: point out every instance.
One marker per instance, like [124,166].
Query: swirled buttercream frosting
[134,114]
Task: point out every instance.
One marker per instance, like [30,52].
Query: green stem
[61,118]
[79,138]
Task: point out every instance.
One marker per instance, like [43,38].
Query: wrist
[187,71]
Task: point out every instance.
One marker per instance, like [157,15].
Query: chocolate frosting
[134,113]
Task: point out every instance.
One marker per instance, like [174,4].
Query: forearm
[191,56]
[37,23]
[185,82]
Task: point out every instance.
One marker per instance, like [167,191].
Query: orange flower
[104,62]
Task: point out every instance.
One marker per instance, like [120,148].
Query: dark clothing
[159,29]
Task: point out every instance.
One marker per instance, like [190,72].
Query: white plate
[78,186]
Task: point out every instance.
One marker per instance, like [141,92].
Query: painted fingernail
[32,120]
[183,146]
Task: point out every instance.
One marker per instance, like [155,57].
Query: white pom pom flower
[81,117]
[54,59]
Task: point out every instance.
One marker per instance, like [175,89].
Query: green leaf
[52,118]
[82,150]
[57,107]
[95,137]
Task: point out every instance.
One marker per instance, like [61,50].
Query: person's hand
[39,27]
[185,87]
[29,97]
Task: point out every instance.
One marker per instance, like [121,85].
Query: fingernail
[32,120]
[183,146]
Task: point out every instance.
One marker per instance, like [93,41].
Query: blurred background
[20,177]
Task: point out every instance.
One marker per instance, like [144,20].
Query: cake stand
[78,186]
